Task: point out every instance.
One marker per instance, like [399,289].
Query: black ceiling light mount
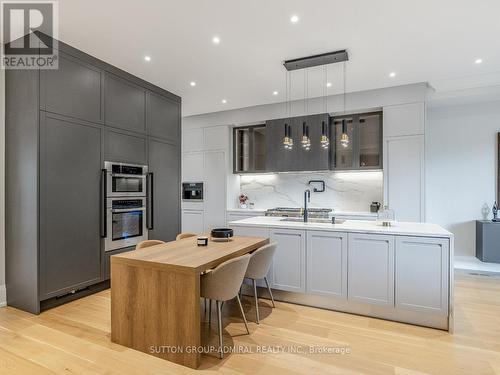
[316,60]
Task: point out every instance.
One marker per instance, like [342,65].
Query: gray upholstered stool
[222,284]
[181,236]
[258,267]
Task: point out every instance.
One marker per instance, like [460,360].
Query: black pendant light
[344,138]
[325,142]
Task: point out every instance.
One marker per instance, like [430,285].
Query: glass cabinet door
[344,143]
[358,141]
[370,129]
[249,149]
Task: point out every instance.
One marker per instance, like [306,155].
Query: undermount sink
[313,220]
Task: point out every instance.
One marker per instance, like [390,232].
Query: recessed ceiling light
[328,84]
[147,58]
[478,61]
[224,101]
[294,19]
[192,83]
[216,40]
[392,74]
[275,93]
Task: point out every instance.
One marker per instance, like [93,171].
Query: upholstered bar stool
[180,236]
[222,284]
[257,269]
[148,243]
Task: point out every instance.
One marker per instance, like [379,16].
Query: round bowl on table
[221,234]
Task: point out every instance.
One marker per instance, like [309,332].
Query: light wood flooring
[75,339]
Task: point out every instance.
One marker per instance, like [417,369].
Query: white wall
[461,167]
[2,187]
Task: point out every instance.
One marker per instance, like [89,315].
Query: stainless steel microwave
[125,180]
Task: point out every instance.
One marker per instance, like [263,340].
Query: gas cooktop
[297,212]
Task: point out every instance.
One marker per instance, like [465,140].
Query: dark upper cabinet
[363,150]
[74,89]
[125,148]
[70,244]
[163,117]
[124,104]
[298,158]
[165,167]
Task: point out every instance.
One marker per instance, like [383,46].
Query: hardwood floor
[75,338]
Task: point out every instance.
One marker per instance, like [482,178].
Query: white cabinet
[251,231]
[371,269]
[192,221]
[240,215]
[289,263]
[422,274]
[405,119]
[216,138]
[214,194]
[192,167]
[192,140]
[327,263]
[404,177]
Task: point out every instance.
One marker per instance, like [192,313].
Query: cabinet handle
[149,199]
[104,189]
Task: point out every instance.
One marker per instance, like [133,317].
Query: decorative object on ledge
[243,199]
[375,207]
[495,212]
[498,166]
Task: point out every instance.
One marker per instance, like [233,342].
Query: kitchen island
[403,272]
[155,295]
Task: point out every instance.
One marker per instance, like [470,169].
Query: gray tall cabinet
[61,125]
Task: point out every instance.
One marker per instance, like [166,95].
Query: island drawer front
[327,264]
[422,274]
[289,262]
[371,269]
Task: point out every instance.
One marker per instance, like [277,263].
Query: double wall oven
[126,194]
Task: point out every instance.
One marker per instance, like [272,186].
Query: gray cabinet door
[276,154]
[163,117]
[164,163]
[422,274]
[124,104]
[289,262]
[327,264]
[279,159]
[74,89]
[125,148]
[371,269]
[70,244]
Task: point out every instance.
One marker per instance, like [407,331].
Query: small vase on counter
[495,212]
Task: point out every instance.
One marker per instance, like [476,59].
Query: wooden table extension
[155,295]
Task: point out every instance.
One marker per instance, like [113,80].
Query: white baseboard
[3,296]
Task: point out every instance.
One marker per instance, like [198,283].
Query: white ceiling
[426,40]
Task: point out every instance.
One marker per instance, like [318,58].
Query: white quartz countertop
[357,226]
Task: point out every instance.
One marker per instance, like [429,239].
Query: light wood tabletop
[155,295]
[185,255]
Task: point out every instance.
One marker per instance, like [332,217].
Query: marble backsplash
[345,191]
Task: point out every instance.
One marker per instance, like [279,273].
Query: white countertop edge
[352,226]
